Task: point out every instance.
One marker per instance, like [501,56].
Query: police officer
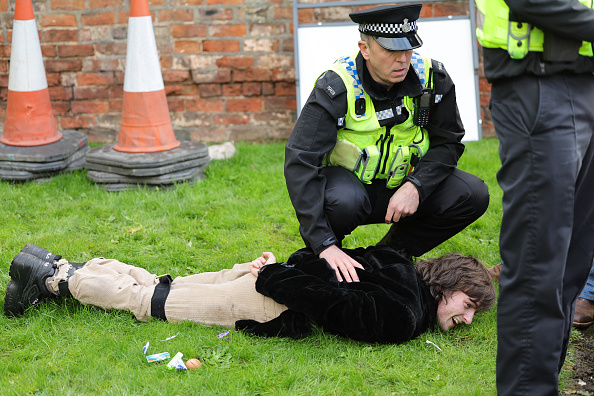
[538,57]
[378,141]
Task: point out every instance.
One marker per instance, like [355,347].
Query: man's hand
[266,258]
[404,202]
[341,263]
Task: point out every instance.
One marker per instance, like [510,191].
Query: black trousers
[457,202]
[545,127]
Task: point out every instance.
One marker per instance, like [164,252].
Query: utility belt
[367,164]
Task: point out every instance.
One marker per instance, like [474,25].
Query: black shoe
[41,253]
[27,285]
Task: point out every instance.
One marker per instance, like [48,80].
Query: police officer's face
[386,67]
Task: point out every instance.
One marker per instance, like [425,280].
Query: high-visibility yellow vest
[495,30]
[365,147]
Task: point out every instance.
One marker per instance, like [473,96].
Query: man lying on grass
[393,302]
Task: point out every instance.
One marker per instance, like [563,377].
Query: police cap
[394,27]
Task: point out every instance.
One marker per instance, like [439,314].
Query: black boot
[27,283]
[41,253]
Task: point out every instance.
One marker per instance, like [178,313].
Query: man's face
[456,309]
[386,67]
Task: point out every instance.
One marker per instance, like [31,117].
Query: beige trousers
[211,298]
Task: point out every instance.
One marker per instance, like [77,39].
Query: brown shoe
[495,271]
[584,313]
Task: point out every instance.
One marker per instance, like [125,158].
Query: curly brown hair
[455,272]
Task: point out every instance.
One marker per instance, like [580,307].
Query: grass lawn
[239,210]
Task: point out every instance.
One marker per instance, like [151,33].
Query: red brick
[60,108]
[252,89]
[176,15]
[181,90]
[185,3]
[209,90]
[176,75]
[187,47]
[243,105]
[122,16]
[272,103]
[66,51]
[63,65]
[115,105]
[221,46]
[58,20]
[236,62]
[223,76]
[267,88]
[153,3]
[226,30]
[103,4]
[227,119]
[89,106]
[217,14]
[450,9]
[3,66]
[53,79]
[232,90]
[55,35]
[111,48]
[183,31]
[285,89]
[98,18]
[49,51]
[78,122]
[284,13]
[60,93]
[231,2]
[3,5]
[91,92]
[251,75]
[95,65]
[166,62]
[285,74]
[204,105]
[116,91]
[175,105]
[106,78]
[69,5]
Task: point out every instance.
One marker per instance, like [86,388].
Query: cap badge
[405,26]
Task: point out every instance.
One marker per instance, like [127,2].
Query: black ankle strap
[159,297]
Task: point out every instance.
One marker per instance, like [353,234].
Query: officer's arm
[313,136]
[569,19]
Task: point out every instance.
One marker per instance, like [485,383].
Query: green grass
[239,210]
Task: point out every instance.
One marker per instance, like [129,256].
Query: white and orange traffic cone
[146,123]
[29,116]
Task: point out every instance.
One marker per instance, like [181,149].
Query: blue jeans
[588,292]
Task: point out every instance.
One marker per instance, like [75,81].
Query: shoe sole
[25,269]
[582,325]
[12,308]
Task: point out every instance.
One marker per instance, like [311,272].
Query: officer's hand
[404,202]
[342,263]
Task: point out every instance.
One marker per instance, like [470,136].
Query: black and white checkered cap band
[388,28]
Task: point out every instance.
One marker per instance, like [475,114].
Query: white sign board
[446,40]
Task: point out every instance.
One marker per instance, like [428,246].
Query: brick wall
[227,65]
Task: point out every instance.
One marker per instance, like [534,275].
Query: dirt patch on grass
[582,369]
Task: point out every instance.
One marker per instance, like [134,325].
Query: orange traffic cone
[146,124]
[29,116]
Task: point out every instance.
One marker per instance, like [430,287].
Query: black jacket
[315,132]
[566,18]
[390,304]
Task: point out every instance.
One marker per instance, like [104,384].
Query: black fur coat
[390,304]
